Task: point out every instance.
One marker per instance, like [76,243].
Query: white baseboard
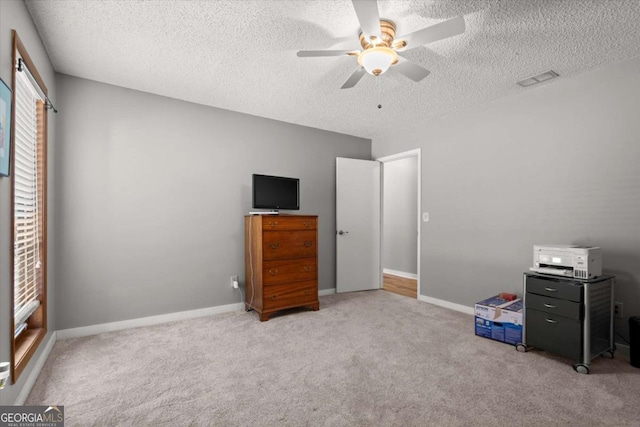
[156,320]
[624,350]
[400,273]
[446,304]
[323,292]
[147,321]
[35,372]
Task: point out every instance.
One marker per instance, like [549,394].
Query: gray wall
[14,16]
[400,238]
[151,197]
[556,164]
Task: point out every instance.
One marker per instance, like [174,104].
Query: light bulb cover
[377,60]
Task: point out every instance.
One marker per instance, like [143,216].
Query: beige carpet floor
[365,359]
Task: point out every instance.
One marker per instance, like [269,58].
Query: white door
[357,224]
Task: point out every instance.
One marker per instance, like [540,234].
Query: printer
[581,262]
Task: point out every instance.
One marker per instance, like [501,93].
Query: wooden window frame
[23,348]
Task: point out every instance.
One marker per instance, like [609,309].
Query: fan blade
[367,13]
[354,78]
[410,69]
[440,31]
[313,53]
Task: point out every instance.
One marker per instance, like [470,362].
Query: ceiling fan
[380,45]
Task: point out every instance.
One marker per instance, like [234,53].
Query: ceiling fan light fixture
[377,60]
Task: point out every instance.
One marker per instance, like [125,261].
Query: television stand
[281,263]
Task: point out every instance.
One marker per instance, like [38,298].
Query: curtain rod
[47,102]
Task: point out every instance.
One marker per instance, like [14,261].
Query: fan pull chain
[379,96]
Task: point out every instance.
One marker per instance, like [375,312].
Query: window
[29,189]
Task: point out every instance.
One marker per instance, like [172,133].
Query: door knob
[341,232]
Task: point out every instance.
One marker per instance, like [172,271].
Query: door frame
[399,156]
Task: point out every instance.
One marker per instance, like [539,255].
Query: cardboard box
[499,320]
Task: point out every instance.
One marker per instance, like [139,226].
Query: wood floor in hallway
[400,285]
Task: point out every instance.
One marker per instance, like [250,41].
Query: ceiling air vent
[538,79]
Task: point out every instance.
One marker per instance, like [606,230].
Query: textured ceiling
[241,55]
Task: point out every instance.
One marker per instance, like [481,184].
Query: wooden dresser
[281,263]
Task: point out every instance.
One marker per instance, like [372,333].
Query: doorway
[401,223]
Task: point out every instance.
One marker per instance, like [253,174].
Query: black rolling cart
[569,317]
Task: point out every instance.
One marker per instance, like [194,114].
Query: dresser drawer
[555,288]
[560,307]
[278,222]
[289,244]
[284,296]
[289,270]
[556,334]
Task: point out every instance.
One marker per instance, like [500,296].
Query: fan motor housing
[388,30]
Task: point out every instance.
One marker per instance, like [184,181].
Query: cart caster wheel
[522,348]
[608,354]
[581,369]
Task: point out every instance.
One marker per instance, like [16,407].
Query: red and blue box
[499,319]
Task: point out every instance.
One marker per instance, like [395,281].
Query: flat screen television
[276,192]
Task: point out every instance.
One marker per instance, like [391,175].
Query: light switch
[425,216]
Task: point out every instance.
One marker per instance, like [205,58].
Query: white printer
[581,262]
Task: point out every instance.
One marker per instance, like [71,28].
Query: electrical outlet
[617,310]
[234,282]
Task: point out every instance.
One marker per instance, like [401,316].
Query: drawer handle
[307,292]
[273,223]
[306,224]
[550,306]
[275,245]
[550,289]
[274,297]
[273,272]
[551,320]
[308,244]
[307,269]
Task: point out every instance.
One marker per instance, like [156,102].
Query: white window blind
[27,274]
